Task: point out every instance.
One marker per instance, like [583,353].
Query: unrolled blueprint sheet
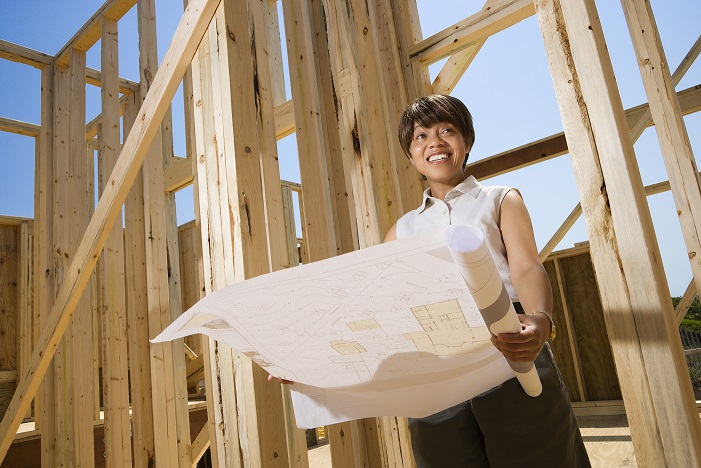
[386,330]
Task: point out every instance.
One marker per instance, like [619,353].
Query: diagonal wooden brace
[186,39]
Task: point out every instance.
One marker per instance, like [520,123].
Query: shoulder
[392,233]
[405,225]
[498,192]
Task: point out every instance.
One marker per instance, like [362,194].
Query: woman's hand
[525,345]
[283,381]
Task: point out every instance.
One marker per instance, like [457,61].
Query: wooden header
[491,19]
[20,54]
[91,32]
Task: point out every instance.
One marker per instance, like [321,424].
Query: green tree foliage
[694,312]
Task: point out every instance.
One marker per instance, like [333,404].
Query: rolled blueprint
[475,262]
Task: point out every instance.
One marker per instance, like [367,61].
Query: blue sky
[507,88]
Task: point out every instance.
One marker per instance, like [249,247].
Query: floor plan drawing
[386,330]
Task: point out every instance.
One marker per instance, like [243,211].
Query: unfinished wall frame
[347,94]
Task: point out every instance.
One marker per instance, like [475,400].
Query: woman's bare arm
[529,279]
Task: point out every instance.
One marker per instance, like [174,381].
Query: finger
[525,335]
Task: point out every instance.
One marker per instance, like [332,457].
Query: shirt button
[445,211]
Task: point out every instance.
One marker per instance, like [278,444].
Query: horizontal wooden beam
[94,77]
[555,145]
[517,158]
[490,20]
[284,120]
[14,220]
[178,174]
[20,54]
[8,376]
[598,408]
[91,31]
[19,128]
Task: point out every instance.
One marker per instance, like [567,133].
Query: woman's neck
[440,189]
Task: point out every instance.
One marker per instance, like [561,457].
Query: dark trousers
[504,427]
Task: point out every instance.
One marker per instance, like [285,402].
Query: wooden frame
[346,96]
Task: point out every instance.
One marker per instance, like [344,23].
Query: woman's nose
[435,140]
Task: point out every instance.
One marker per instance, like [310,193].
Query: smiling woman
[351,72]
[437,133]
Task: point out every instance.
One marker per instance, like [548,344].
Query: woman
[502,427]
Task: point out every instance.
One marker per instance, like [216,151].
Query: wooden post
[217,255]
[669,125]
[640,321]
[337,162]
[262,433]
[390,74]
[74,360]
[44,270]
[24,302]
[574,348]
[168,384]
[363,124]
[137,312]
[417,81]
[115,378]
[265,37]
[9,307]
[311,144]
[61,226]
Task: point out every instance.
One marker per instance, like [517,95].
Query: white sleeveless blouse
[468,203]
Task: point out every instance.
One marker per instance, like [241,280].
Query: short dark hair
[430,110]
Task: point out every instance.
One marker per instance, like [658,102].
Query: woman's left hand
[525,345]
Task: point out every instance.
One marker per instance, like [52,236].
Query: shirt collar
[468,186]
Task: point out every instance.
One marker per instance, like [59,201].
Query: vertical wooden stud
[115,379]
[169,392]
[316,200]
[669,125]
[24,305]
[416,77]
[337,163]
[137,312]
[217,254]
[74,360]
[570,332]
[44,271]
[262,435]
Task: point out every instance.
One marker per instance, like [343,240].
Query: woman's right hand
[283,381]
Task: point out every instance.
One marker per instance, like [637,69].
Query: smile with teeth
[438,157]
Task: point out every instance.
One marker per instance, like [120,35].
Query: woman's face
[438,152]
